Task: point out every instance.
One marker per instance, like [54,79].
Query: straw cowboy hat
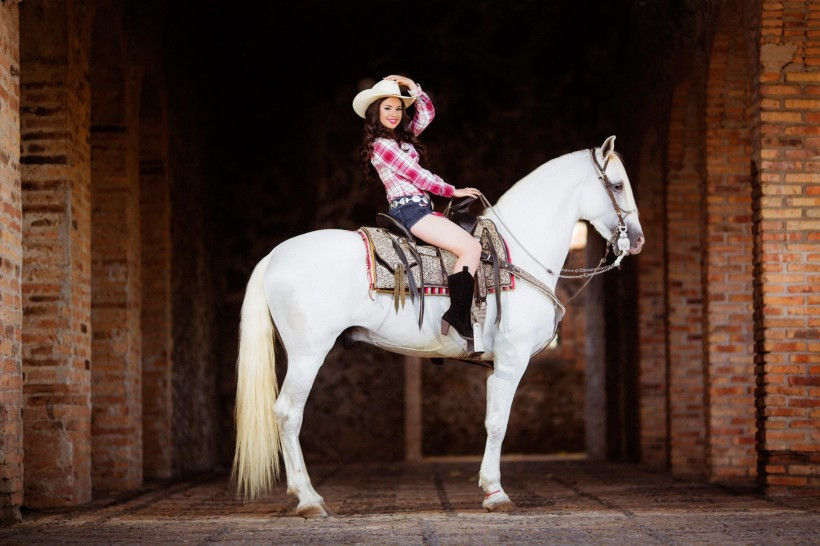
[385,88]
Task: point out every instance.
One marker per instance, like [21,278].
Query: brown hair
[374,129]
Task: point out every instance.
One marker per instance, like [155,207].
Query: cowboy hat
[385,88]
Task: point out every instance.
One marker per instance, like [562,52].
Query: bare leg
[443,233]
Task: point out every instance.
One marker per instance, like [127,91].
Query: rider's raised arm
[424,111]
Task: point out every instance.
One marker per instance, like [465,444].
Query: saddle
[398,264]
[394,264]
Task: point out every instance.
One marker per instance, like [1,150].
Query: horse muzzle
[637,246]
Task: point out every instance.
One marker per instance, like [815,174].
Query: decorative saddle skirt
[436,263]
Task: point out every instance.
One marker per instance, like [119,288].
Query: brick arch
[115,256]
[156,318]
[728,324]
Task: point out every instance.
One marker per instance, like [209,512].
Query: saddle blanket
[436,263]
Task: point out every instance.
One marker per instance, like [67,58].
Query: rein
[619,233]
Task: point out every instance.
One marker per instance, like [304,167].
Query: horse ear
[608,146]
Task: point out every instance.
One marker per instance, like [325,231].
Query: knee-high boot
[461,298]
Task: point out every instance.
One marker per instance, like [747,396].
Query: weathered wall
[116,392]
[684,289]
[11,265]
[787,245]
[56,175]
[727,277]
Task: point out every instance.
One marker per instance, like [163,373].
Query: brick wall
[683,282]
[652,380]
[728,345]
[115,251]
[155,229]
[11,262]
[55,158]
[787,245]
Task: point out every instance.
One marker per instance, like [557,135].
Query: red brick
[57,462]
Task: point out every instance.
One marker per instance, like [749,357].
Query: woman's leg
[443,233]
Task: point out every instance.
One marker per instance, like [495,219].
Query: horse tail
[256,458]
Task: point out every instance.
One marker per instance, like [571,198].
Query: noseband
[620,232]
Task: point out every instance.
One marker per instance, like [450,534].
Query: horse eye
[618,186]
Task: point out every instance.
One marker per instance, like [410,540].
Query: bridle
[620,231]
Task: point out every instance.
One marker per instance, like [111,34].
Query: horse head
[608,203]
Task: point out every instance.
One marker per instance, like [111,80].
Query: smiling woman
[389,152]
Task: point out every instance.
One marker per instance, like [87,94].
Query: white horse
[315,286]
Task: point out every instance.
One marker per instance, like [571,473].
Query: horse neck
[539,213]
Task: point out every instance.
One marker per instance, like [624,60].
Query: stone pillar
[728,344]
[55,159]
[684,284]
[11,264]
[115,251]
[786,223]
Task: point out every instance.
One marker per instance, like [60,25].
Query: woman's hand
[402,80]
[466,192]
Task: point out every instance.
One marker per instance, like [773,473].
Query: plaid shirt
[398,165]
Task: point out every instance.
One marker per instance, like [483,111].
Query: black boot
[461,299]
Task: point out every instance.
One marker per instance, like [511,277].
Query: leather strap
[496,275]
[417,257]
[403,259]
[518,272]
[414,291]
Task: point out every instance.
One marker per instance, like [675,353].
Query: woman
[391,151]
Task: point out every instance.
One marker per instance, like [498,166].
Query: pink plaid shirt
[398,165]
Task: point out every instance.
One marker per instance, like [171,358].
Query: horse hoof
[504,506]
[313,511]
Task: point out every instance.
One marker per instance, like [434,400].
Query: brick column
[683,279]
[652,380]
[11,264]
[115,251]
[728,346]
[787,246]
[54,44]
[157,341]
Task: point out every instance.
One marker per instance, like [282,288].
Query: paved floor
[563,501]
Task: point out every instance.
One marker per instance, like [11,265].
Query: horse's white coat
[316,286]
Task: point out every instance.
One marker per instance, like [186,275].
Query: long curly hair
[374,129]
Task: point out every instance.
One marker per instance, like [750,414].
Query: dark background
[265,91]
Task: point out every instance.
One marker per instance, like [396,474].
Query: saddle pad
[436,263]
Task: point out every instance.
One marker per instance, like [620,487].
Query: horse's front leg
[501,385]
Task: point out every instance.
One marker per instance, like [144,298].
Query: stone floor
[559,501]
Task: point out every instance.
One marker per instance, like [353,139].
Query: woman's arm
[388,152]
[424,111]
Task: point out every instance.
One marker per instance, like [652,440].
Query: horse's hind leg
[289,410]
[501,386]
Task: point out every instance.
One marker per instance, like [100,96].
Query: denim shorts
[411,213]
